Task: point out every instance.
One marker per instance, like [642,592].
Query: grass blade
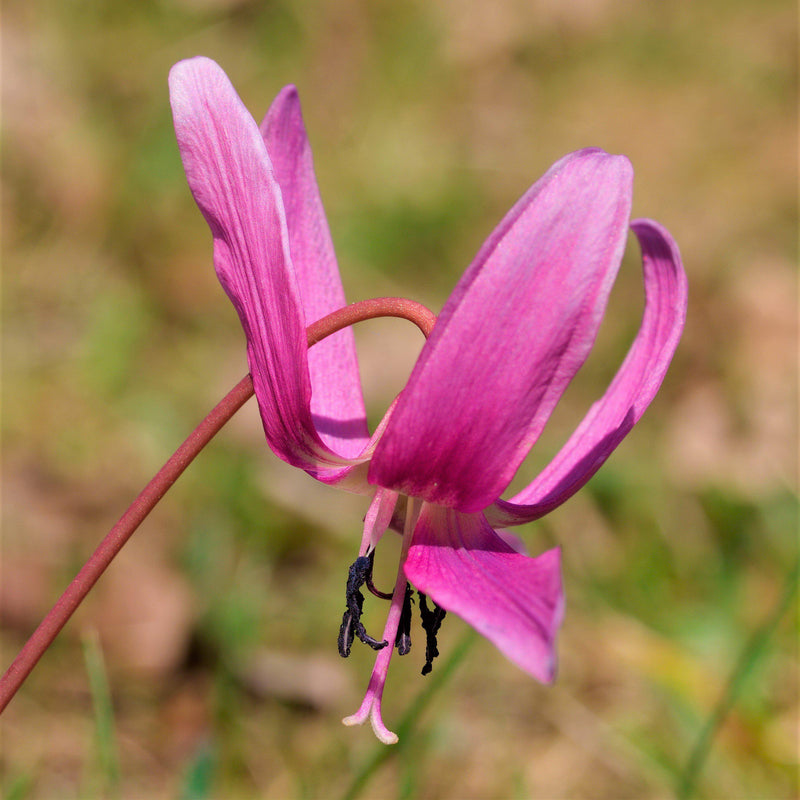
[108,774]
[746,663]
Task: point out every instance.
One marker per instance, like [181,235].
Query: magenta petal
[517,328]
[337,404]
[631,391]
[232,180]
[515,601]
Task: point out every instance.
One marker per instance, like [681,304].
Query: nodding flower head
[517,327]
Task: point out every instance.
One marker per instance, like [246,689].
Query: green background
[204,663]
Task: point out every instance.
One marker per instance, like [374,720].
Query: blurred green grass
[427,122]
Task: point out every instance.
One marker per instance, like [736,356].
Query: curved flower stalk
[514,332]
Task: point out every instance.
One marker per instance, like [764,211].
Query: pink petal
[629,394]
[232,180]
[517,328]
[337,404]
[515,601]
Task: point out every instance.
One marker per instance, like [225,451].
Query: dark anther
[431,622]
[370,584]
[403,639]
[351,620]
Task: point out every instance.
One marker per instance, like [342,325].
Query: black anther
[403,638]
[431,622]
[352,626]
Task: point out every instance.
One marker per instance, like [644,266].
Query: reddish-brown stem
[74,594]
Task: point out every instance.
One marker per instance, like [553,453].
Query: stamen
[431,622]
[351,620]
[403,638]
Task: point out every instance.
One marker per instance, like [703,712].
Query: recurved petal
[515,601]
[337,404]
[516,329]
[232,180]
[631,391]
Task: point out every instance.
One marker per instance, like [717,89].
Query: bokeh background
[204,664]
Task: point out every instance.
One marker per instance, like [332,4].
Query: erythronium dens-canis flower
[514,332]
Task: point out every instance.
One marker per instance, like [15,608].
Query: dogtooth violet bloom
[516,329]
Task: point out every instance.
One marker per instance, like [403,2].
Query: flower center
[360,574]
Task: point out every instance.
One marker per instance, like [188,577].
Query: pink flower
[516,329]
